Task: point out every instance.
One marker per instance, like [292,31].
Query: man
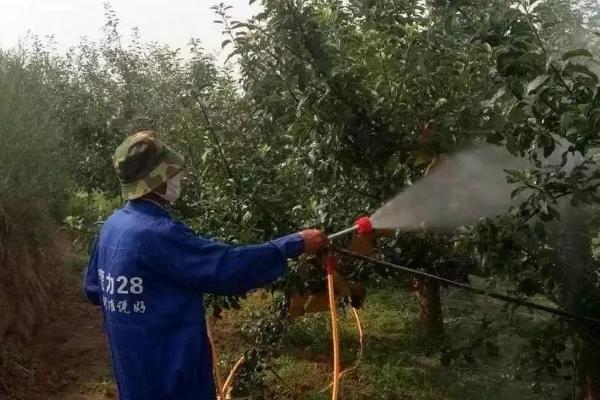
[149,272]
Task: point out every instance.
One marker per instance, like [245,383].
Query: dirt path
[67,359]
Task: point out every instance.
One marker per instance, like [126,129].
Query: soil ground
[66,359]
[70,356]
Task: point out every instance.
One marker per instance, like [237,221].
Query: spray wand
[362,225]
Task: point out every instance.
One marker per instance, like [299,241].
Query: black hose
[502,297]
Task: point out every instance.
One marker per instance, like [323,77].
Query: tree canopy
[326,109]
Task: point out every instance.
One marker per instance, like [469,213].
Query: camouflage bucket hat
[143,163]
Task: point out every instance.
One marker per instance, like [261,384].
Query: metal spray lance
[362,225]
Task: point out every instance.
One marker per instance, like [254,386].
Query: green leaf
[537,82]
[499,94]
[515,193]
[549,147]
[233,53]
[581,69]
[448,23]
[225,43]
[577,53]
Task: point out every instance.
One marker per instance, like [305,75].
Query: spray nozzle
[362,225]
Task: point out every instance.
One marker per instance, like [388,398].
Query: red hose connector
[364,225]
[331,264]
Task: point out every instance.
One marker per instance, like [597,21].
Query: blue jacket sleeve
[211,267]
[91,285]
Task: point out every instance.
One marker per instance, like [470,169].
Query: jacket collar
[147,207]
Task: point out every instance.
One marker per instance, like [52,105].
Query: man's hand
[315,241]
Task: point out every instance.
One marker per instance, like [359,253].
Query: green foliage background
[325,110]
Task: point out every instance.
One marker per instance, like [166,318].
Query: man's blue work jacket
[149,272]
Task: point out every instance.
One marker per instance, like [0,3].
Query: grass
[398,363]
[103,384]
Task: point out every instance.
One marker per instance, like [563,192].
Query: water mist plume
[463,188]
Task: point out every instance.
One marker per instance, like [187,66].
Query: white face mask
[173,189]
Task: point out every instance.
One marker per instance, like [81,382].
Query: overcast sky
[171,22]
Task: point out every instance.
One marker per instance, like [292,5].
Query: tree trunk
[573,238]
[430,315]
[588,368]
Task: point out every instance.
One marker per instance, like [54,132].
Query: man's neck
[156,199]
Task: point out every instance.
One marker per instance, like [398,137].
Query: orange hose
[360,341]
[229,380]
[334,326]
[360,350]
[223,389]
[216,371]
[331,265]
[360,331]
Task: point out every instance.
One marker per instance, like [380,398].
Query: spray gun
[362,225]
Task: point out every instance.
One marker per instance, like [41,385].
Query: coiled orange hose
[360,350]
[331,265]
[227,385]
[215,359]
[222,389]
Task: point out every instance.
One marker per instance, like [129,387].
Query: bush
[33,164]
[86,211]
